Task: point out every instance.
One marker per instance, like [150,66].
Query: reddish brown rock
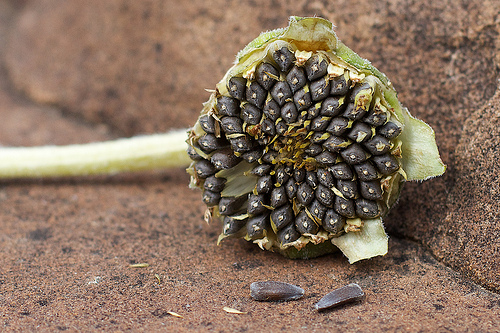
[468,238]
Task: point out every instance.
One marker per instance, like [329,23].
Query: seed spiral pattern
[295,148]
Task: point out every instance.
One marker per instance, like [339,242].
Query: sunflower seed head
[296,143]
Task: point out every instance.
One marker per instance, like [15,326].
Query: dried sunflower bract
[303,146]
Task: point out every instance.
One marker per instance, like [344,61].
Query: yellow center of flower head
[298,144]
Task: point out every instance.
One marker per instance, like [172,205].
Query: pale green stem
[138,153]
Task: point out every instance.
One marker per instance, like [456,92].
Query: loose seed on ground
[275,291]
[340,296]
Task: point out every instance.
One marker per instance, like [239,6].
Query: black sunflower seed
[278,197]
[313,150]
[281,92]
[237,87]
[359,88]
[255,204]
[210,198]
[375,118]
[214,184]
[204,169]
[320,89]
[266,75]
[296,78]
[233,225]
[231,205]
[252,156]
[289,113]
[371,190]
[311,179]
[344,207]
[291,188]
[209,142]
[367,209]
[305,225]
[325,196]
[288,169]
[360,132]
[257,225]
[332,106]
[282,216]
[207,123]
[340,296]
[340,86]
[316,67]
[324,177]
[338,126]
[288,234]
[314,111]
[281,176]
[251,114]
[333,222]
[354,154]
[366,171]
[264,184]
[273,291]
[241,144]
[231,125]
[228,106]
[341,171]
[302,99]
[326,158]
[305,194]
[317,210]
[284,58]
[261,170]
[281,126]
[224,159]
[269,157]
[193,154]
[268,127]
[390,130]
[256,95]
[299,175]
[272,110]
[386,164]
[353,113]
[378,145]
[348,188]
[336,143]
[320,123]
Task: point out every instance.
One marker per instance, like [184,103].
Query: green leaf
[369,242]
[420,159]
